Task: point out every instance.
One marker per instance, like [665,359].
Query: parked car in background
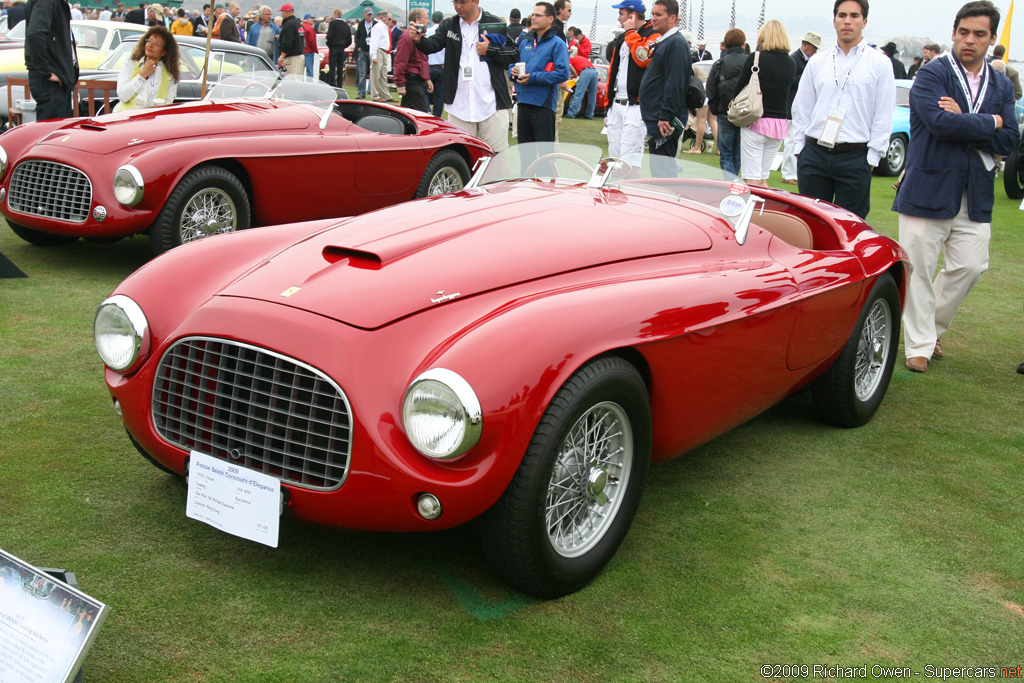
[1013,173]
[475,355]
[256,152]
[895,159]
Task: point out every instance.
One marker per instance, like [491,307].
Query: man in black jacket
[137,15]
[630,56]
[663,90]
[809,46]
[339,37]
[475,91]
[50,57]
[292,44]
[363,51]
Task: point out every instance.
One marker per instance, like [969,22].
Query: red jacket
[310,33]
[409,60]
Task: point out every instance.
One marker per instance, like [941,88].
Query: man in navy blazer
[961,116]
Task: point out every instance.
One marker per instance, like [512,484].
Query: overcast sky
[886,20]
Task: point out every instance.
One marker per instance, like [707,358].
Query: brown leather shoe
[937,353]
[917,364]
[790,182]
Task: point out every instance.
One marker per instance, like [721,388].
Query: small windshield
[585,165]
[270,85]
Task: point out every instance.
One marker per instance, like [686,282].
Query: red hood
[115,132]
[382,266]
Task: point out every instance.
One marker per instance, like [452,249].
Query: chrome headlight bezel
[120,316]
[436,396]
[131,188]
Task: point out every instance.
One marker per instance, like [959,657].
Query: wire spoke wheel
[209,212]
[873,349]
[588,480]
[445,180]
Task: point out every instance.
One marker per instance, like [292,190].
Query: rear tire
[851,391]
[895,159]
[38,237]
[446,172]
[1013,175]
[574,496]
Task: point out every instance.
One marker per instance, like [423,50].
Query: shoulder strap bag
[747,106]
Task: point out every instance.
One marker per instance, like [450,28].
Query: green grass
[781,542]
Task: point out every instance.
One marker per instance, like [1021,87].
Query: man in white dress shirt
[843,114]
[475,89]
[380,58]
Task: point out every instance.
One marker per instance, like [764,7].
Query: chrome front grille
[255,408]
[50,190]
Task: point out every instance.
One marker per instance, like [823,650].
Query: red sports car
[476,355]
[256,152]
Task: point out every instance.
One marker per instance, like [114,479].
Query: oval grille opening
[51,190]
[255,408]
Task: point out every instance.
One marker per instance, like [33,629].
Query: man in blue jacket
[961,115]
[547,65]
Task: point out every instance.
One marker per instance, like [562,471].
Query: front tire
[895,159]
[1013,175]
[571,502]
[446,172]
[208,201]
[38,237]
[851,391]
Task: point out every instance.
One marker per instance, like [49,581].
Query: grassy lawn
[782,542]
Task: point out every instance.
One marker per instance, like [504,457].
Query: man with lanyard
[380,58]
[663,89]
[363,32]
[631,54]
[842,114]
[475,88]
[961,115]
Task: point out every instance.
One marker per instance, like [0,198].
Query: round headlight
[441,414]
[128,185]
[3,161]
[121,333]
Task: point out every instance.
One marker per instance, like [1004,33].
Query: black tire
[446,172]
[851,391]
[895,159]
[38,237]
[539,556]
[1013,175]
[216,202]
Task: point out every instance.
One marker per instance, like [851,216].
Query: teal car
[895,159]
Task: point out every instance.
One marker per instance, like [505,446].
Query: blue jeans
[437,99]
[362,71]
[586,86]
[729,145]
[309,63]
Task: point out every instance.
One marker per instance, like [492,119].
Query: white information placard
[234,499]
[46,626]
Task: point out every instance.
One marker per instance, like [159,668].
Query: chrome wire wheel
[873,349]
[589,478]
[210,211]
[446,180]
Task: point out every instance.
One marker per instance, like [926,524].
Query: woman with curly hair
[150,76]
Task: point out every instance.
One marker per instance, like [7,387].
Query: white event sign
[234,499]
[46,626]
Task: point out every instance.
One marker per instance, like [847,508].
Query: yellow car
[95,40]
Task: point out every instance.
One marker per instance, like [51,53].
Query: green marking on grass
[479,606]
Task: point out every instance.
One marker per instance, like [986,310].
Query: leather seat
[786,227]
[381,124]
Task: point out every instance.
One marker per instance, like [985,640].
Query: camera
[419,28]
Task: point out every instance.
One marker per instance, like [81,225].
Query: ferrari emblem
[291,290]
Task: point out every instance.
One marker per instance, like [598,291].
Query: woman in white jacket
[149,78]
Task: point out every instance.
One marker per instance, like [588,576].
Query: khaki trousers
[295,65]
[931,305]
[379,75]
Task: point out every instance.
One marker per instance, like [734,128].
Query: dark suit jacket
[801,63]
[363,36]
[943,156]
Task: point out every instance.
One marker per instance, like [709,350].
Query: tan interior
[786,227]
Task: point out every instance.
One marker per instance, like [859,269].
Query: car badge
[65,138]
[291,290]
[135,141]
[732,206]
[442,297]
